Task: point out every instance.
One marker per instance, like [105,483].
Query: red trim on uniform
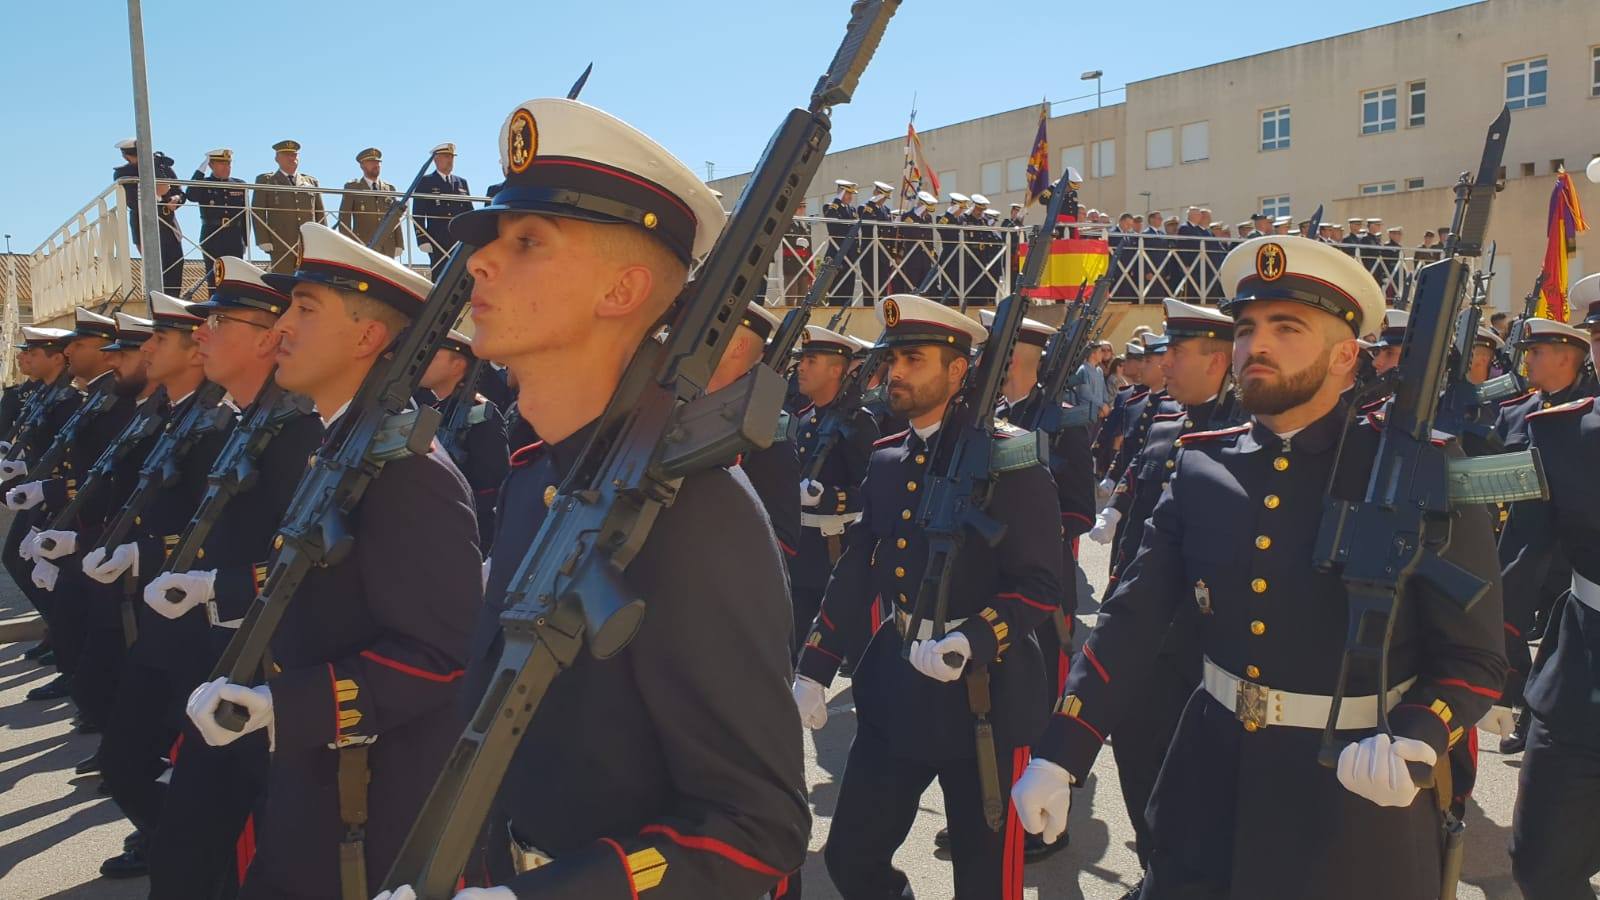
[1092,730]
[1572,406]
[712,845]
[627,870]
[1047,607]
[788,550]
[805,409]
[366,274]
[1011,861]
[1099,669]
[1063,668]
[823,615]
[1170,416]
[1207,435]
[825,652]
[1075,542]
[891,438]
[519,456]
[1511,630]
[782,890]
[487,491]
[1080,517]
[1491,693]
[244,849]
[620,175]
[413,671]
[1515,400]
[1472,759]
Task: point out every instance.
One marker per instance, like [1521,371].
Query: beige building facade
[1374,123]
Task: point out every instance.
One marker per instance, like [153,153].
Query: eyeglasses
[215,320]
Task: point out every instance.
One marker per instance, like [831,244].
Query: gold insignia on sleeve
[1069,705]
[549,494]
[1271,262]
[646,867]
[522,141]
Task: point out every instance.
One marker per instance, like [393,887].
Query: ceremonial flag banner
[917,170]
[1039,158]
[1562,230]
[1072,262]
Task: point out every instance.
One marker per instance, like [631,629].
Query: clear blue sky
[709,79]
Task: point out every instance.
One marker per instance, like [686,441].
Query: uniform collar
[1317,437]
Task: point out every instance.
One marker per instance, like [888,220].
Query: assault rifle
[143,424]
[1383,545]
[455,413]
[204,415]
[794,323]
[959,483]
[98,401]
[234,471]
[568,591]
[1068,348]
[377,428]
[1512,383]
[1462,412]
[38,408]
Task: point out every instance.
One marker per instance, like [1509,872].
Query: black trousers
[1555,835]
[139,733]
[64,611]
[1140,744]
[205,827]
[171,260]
[878,802]
[99,670]
[807,602]
[21,570]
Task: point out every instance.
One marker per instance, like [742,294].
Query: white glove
[810,493]
[13,468]
[265,248]
[927,657]
[1105,525]
[802,243]
[26,548]
[44,575]
[25,496]
[1499,721]
[404,892]
[107,568]
[1375,768]
[1043,797]
[1106,485]
[62,543]
[5,448]
[197,587]
[203,703]
[813,704]
[424,247]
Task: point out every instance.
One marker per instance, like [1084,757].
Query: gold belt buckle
[1250,705]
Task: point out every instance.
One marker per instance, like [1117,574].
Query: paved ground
[55,829]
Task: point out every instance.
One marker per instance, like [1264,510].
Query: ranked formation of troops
[149,464]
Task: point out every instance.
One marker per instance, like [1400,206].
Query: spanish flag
[1562,229]
[1074,263]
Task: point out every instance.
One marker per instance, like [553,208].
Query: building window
[1158,148]
[947,183]
[1526,83]
[1413,184]
[1195,141]
[1105,159]
[1417,110]
[1273,207]
[1072,158]
[1275,129]
[1382,187]
[1378,111]
[1017,174]
[1594,76]
[991,177]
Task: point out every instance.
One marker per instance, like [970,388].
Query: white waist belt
[829,525]
[902,621]
[1258,706]
[1587,592]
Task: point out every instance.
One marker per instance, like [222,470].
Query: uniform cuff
[817,664]
[1072,744]
[1430,725]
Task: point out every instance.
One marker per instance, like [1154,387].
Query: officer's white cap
[910,319]
[1032,331]
[959,198]
[817,339]
[927,198]
[1285,267]
[334,260]
[881,188]
[1549,331]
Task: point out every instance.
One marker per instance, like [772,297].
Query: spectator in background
[280,213]
[224,224]
[432,216]
[1172,264]
[1429,251]
[1114,378]
[169,254]
[1216,251]
[361,214]
[1090,382]
[1190,255]
[1260,226]
[1280,225]
[1501,323]
[1392,248]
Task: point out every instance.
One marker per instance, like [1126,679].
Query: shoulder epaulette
[1170,416]
[1186,439]
[884,441]
[1015,448]
[1377,423]
[524,455]
[1374,404]
[1574,406]
[1519,398]
[1137,397]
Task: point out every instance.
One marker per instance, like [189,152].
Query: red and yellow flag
[1072,262]
[1562,230]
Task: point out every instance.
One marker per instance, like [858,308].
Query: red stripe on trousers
[244,850]
[1011,863]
